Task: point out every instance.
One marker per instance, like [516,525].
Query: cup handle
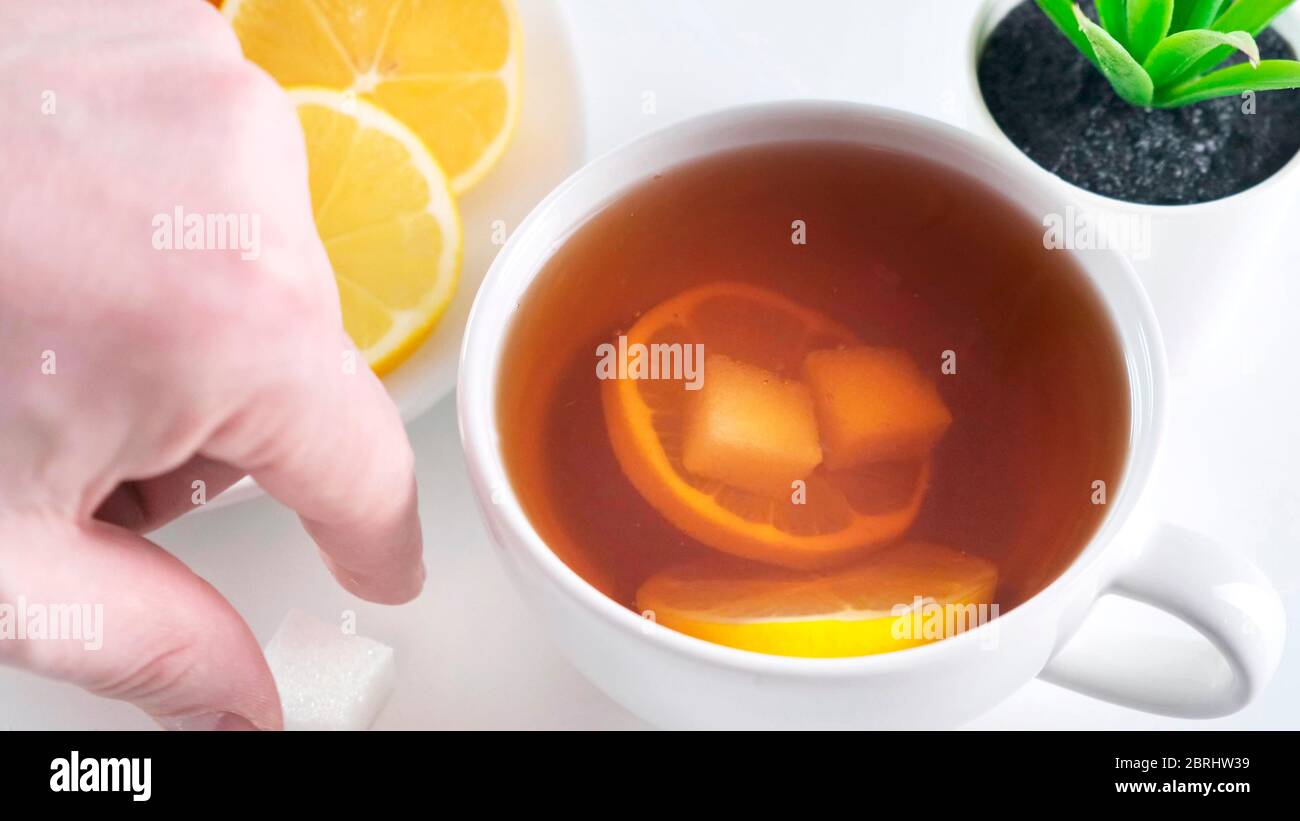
[1219,593]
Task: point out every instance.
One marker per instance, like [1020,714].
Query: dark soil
[1064,115]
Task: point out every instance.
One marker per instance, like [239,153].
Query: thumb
[167,641]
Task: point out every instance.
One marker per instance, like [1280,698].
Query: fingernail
[205,722]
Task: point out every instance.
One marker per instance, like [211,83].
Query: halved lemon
[387,218]
[842,514]
[448,69]
[908,595]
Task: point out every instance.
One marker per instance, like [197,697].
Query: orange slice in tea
[910,594]
[835,516]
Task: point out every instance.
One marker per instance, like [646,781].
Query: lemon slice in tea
[866,608]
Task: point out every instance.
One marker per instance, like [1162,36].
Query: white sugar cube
[328,680]
[751,429]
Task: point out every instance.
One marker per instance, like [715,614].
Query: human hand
[129,372]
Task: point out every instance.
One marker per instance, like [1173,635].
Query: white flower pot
[1199,258]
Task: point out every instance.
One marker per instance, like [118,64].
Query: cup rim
[507,280]
[986,18]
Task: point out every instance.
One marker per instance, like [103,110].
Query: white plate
[549,144]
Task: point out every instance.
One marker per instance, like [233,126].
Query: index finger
[331,445]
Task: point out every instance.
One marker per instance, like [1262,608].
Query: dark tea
[791,398]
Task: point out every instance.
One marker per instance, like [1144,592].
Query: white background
[469,655]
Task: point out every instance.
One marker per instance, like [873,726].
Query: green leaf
[1130,80]
[1148,23]
[1270,75]
[1243,15]
[1195,14]
[1061,12]
[1114,19]
[1170,60]
[1250,15]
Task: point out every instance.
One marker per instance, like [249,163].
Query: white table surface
[468,653]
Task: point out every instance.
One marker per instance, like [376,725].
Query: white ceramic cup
[674,680]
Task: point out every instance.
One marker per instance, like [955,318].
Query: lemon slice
[845,612]
[449,69]
[387,218]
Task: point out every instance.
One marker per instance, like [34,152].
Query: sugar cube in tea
[873,405]
[751,429]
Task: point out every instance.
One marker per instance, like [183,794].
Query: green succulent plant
[1163,53]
